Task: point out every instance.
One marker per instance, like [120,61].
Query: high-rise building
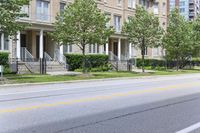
[188,8]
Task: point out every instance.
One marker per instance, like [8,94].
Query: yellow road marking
[103,97]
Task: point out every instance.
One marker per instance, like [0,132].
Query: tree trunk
[84,59]
[143,53]
[177,64]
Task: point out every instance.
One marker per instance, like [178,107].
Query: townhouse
[34,43]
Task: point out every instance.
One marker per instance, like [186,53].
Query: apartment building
[34,42]
[188,8]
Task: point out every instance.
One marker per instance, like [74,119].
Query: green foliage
[160,64]
[81,24]
[10,11]
[4,59]
[196,36]
[143,30]
[92,61]
[178,39]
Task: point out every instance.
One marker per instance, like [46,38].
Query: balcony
[117,28]
[38,18]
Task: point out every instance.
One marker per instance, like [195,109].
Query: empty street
[159,104]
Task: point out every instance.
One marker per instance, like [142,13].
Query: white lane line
[189,129]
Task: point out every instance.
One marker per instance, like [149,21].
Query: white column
[61,51]
[130,50]
[18,47]
[2,42]
[41,43]
[107,51]
[119,49]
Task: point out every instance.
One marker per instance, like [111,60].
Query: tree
[10,11]
[143,31]
[81,23]
[196,36]
[178,39]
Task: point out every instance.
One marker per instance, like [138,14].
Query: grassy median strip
[36,78]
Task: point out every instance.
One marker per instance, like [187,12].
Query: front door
[115,48]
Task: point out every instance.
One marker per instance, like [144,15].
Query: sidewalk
[103,79]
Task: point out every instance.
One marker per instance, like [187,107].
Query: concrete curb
[88,80]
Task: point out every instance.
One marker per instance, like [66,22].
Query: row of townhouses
[35,43]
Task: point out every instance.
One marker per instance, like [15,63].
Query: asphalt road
[168,104]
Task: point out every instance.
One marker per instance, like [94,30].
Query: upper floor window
[25,9]
[119,2]
[62,7]
[164,8]
[108,16]
[42,10]
[155,8]
[117,23]
[131,3]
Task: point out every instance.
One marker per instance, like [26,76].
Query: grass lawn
[94,75]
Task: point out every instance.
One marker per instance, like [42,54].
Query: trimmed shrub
[162,64]
[4,59]
[75,61]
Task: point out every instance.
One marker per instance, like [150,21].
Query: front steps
[34,67]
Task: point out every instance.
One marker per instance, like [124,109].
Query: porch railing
[26,55]
[47,56]
[112,56]
[60,57]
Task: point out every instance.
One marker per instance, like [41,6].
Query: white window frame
[42,16]
[156,8]
[117,23]
[131,3]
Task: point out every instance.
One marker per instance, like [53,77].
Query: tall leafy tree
[10,11]
[196,36]
[178,39]
[81,24]
[143,30]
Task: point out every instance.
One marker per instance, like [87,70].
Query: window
[182,3]
[119,2]
[117,22]
[62,7]
[164,8]
[4,42]
[25,9]
[142,2]
[145,51]
[42,10]
[94,48]
[182,10]
[131,3]
[67,48]
[155,8]
[108,16]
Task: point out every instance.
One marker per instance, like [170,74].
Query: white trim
[18,48]
[41,45]
[119,48]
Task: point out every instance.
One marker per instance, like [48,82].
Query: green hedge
[75,61]
[156,63]
[4,59]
